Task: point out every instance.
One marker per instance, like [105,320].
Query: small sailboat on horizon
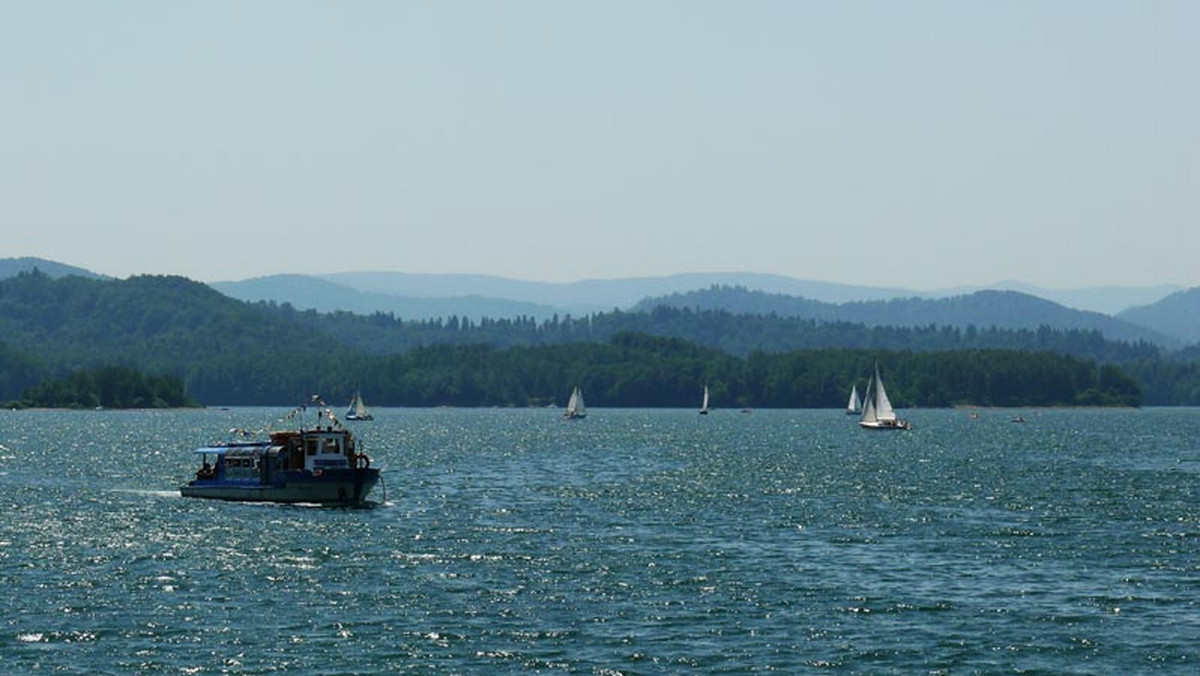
[854,406]
[704,405]
[576,410]
[878,413]
[358,408]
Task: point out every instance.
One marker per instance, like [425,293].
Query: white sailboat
[358,409]
[575,407]
[704,406]
[878,413]
[854,407]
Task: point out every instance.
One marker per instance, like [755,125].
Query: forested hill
[11,267]
[152,319]
[1176,315]
[229,351]
[984,309]
[161,325]
[739,335]
[162,321]
[307,292]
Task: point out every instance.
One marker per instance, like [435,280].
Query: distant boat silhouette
[358,409]
[854,407]
[576,410]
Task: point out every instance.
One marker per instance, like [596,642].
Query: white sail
[877,409]
[883,407]
[575,406]
[704,406]
[358,408]
[868,413]
[855,404]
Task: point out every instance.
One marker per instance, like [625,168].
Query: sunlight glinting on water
[631,542]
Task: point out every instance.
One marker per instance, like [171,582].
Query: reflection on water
[631,542]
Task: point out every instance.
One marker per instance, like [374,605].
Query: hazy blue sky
[918,144]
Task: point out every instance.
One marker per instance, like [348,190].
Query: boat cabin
[312,451]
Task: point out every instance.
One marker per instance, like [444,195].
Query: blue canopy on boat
[232,447]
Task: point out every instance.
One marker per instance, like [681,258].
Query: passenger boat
[321,464]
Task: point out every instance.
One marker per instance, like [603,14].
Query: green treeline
[631,370]
[636,370]
[737,334]
[226,351]
[107,387]
[1167,382]
[171,320]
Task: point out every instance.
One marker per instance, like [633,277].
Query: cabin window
[312,447]
[241,466]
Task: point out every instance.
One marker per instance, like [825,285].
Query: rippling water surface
[633,542]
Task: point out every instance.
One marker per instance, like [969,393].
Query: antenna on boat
[324,410]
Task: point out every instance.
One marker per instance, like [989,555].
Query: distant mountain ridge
[590,295]
[599,295]
[11,267]
[1177,315]
[982,309]
[1109,300]
[428,296]
[420,296]
[233,352]
[306,292]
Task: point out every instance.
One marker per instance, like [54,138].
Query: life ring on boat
[318,472]
[362,461]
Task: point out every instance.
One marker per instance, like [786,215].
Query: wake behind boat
[321,464]
[878,413]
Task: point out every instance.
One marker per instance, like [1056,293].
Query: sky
[915,144]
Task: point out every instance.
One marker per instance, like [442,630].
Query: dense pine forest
[107,387]
[1006,309]
[225,351]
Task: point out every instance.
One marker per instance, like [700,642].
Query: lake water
[633,542]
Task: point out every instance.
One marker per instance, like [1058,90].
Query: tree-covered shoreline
[106,387]
[228,352]
[634,371]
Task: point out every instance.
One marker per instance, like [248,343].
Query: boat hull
[886,425]
[342,487]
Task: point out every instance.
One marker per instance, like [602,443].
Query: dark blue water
[634,542]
